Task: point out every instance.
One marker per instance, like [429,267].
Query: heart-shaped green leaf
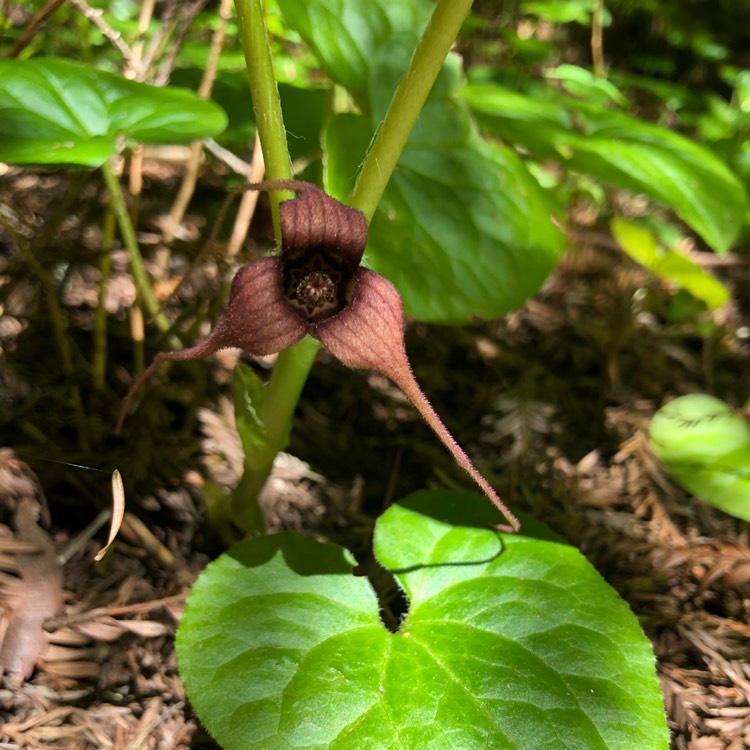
[59,112]
[510,642]
[462,229]
[620,150]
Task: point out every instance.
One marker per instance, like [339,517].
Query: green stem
[407,103]
[265,93]
[285,388]
[293,365]
[127,232]
[279,404]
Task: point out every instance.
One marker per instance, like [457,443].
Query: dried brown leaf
[40,598]
[118,512]
[144,628]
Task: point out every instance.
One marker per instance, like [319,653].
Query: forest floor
[553,402]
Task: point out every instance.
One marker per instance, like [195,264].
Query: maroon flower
[316,286]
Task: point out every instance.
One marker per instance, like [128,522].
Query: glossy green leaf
[623,151]
[59,112]
[509,642]
[463,230]
[705,446]
[348,35]
[231,91]
[643,246]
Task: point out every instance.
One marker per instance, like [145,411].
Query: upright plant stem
[265,92]
[279,403]
[597,39]
[292,365]
[127,231]
[407,103]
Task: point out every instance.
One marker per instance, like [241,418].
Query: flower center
[316,289]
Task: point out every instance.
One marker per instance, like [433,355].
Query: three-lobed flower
[317,286]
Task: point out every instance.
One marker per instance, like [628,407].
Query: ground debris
[554,400]
[36,594]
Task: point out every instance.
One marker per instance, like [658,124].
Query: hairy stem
[407,103]
[279,403]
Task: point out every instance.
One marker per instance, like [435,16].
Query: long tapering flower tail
[369,335]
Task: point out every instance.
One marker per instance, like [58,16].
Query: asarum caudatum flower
[316,286]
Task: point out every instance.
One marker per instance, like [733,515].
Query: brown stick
[34,26]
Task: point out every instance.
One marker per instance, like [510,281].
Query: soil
[553,402]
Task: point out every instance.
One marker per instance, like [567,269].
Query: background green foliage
[55,111]
[705,446]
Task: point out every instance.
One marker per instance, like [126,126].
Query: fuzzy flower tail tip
[317,286]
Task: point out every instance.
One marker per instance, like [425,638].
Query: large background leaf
[620,150]
[60,112]
[510,642]
[347,35]
[463,230]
